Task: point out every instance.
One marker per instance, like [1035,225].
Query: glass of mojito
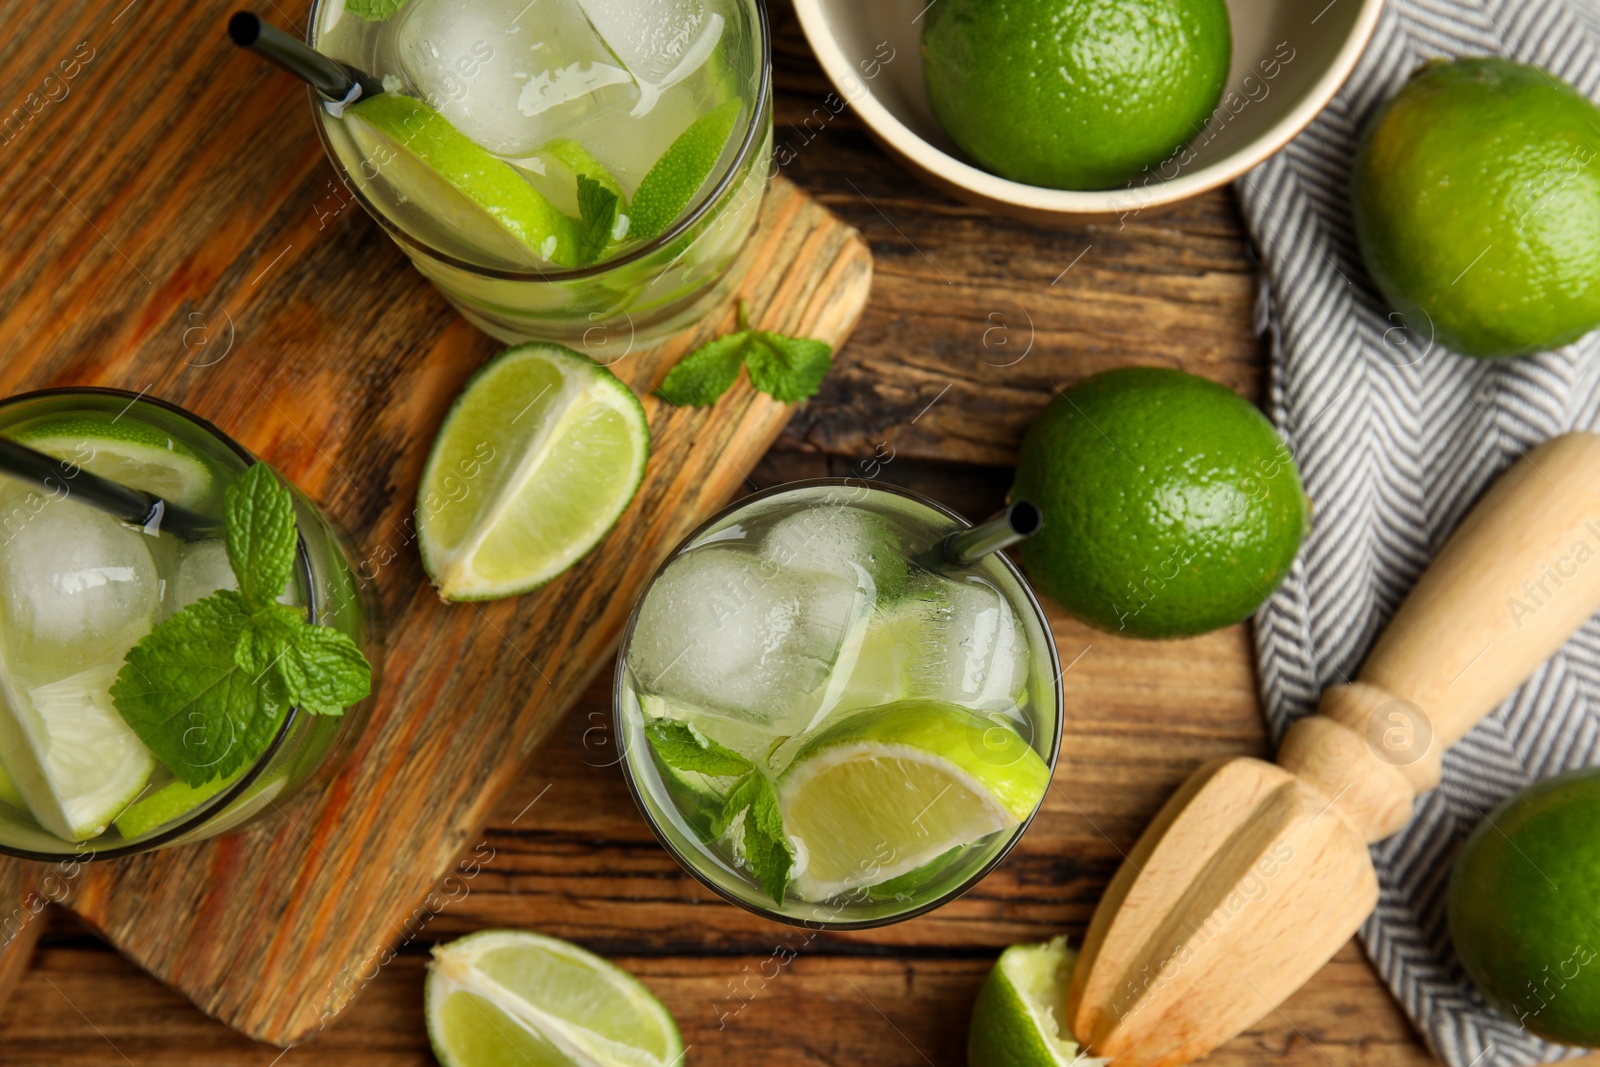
[579,171]
[83,596]
[824,724]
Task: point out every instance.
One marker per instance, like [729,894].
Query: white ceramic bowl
[1289,58]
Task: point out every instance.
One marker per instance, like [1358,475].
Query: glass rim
[224,797]
[768,911]
[754,135]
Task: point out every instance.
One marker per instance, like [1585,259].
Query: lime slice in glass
[887,790]
[167,803]
[130,452]
[508,998]
[75,762]
[666,190]
[474,194]
[536,461]
[1018,1019]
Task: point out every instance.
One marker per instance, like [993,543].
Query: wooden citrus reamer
[1254,874]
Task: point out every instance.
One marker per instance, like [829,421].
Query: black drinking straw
[63,478]
[963,548]
[335,82]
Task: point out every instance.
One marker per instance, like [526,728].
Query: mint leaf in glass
[598,207]
[766,849]
[261,533]
[684,748]
[183,692]
[208,689]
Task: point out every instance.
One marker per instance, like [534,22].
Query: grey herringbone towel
[1394,445]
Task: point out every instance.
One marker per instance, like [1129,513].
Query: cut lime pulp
[73,759]
[508,998]
[534,464]
[888,790]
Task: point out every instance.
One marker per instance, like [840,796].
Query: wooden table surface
[973,323]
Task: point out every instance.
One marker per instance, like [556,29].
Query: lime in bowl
[576,171]
[157,690]
[825,722]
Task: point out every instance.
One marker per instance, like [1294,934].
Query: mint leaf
[324,671]
[373,10]
[598,206]
[789,369]
[266,637]
[261,533]
[766,849]
[706,373]
[183,692]
[684,748]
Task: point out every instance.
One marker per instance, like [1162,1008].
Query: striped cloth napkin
[1395,444]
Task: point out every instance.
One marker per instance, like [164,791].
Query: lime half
[129,452]
[889,789]
[71,756]
[534,464]
[476,195]
[1018,1020]
[508,998]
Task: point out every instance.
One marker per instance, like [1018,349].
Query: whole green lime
[1476,200]
[1171,506]
[1074,95]
[1525,908]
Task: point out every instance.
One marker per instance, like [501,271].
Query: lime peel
[1017,1020]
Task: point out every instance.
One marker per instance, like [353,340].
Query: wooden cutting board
[180,234]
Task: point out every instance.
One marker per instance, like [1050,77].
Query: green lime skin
[1524,908]
[1171,506]
[1074,95]
[1476,200]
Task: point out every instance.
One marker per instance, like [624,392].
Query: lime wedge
[507,998]
[579,160]
[1017,1021]
[167,803]
[887,790]
[680,172]
[131,452]
[536,461]
[473,193]
[74,760]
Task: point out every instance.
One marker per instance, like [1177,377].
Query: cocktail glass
[71,611]
[803,612]
[552,89]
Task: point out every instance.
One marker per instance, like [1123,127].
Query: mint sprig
[208,689]
[766,849]
[789,369]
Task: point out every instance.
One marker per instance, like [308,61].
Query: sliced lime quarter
[73,759]
[671,183]
[1019,1019]
[127,451]
[475,194]
[887,790]
[534,464]
[509,998]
